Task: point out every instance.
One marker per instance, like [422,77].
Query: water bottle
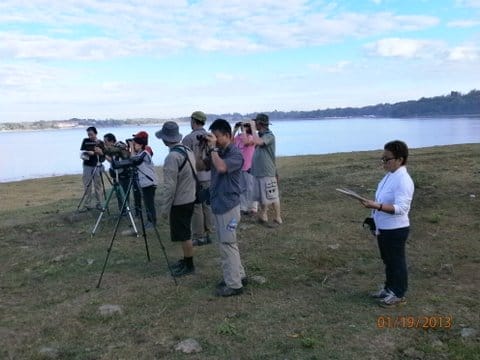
[232,225]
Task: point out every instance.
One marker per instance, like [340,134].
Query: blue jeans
[392,251]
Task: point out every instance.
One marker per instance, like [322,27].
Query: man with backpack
[177,194]
[202,219]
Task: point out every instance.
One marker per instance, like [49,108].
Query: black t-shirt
[89,145]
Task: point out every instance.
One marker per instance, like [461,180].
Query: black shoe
[228,291]
[222,283]
[184,270]
[180,263]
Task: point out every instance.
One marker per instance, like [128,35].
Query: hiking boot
[380,294]
[222,283]
[183,270]
[226,291]
[178,264]
[391,300]
[202,241]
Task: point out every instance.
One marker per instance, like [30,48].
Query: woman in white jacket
[390,212]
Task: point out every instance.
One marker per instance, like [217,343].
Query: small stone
[29,231]
[259,279]
[412,353]
[188,346]
[90,261]
[333,246]
[437,343]
[48,353]
[446,268]
[59,258]
[472,196]
[110,310]
[468,332]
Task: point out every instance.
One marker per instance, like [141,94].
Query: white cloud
[464,53]
[463,23]
[469,3]
[159,27]
[405,48]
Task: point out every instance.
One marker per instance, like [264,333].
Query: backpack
[201,195]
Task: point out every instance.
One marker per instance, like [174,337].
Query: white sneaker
[391,300]
[380,294]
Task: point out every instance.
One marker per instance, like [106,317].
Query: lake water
[32,154]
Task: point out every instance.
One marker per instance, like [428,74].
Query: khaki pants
[95,184]
[232,268]
[202,219]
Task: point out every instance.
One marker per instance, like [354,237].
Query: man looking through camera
[202,219]
[115,151]
[243,139]
[92,156]
[264,170]
[226,164]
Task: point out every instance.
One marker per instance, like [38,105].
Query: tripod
[118,190]
[98,168]
[134,180]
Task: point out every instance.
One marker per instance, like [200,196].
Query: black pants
[149,201]
[392,250]
[123,182]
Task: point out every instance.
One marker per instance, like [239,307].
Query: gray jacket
[147,176]
[178,186]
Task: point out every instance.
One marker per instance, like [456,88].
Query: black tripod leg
[109,196]
[165,255]
[124,204]
[143,228]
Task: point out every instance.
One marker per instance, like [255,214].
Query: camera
[240,123]
[202,139]
[128,163]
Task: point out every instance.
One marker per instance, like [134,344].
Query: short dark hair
[110,137]
[399,150]
[221,125]
[92,129]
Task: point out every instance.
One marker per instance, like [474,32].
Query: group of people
[238,170]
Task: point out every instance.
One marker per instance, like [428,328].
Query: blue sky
[163,58]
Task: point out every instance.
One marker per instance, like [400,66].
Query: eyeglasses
[385,160]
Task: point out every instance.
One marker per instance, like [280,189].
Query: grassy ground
[319,266]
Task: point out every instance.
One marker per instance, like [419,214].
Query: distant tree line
[454,104]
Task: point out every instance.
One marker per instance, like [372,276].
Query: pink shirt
[246,150]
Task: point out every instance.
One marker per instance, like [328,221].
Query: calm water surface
[31,154]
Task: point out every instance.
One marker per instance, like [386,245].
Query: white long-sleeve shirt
[396,189]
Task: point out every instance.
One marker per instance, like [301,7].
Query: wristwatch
[213,149]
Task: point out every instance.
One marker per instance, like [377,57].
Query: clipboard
[352,194]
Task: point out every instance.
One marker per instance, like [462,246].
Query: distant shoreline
[124,123]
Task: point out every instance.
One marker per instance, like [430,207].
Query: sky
[105,59]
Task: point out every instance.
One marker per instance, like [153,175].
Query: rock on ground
[110,310]
[259,279]
[468,332]
[48,353]
[188,346]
